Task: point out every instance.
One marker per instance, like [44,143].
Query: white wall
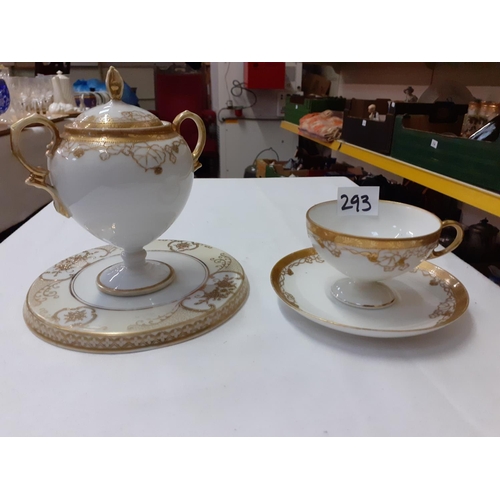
[240,142]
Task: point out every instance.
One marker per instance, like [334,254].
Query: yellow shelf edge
[466,193]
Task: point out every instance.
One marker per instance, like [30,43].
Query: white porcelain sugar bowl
[122,174]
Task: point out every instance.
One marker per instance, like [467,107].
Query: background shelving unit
[482,199]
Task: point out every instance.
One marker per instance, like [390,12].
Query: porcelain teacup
[371,249]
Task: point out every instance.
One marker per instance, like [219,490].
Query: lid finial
[114,83]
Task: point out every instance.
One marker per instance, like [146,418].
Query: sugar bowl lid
[115,115]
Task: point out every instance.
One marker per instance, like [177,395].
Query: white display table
[266,372]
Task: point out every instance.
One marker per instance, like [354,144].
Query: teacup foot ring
[363,295]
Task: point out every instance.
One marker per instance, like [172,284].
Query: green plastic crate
[298,106]
[474,162]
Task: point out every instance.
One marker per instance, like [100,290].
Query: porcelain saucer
[65,307]
[426,300]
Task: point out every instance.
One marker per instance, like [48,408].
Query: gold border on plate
[139,340]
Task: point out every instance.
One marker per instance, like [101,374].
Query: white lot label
[434,143]
[364,123]
[358,200]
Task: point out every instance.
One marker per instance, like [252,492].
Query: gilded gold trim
[148,156]
[133,292]
[114,124]
[199,320]
[309,259]
[134,341]
[114,83]
[128,120]
[166,131]
[388,259]
[79,299]
[39,176]
[450,284]
[220,289]
[202,134]
[369,242]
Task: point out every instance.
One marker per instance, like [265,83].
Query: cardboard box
[274,168]
[377,136]
[315,84]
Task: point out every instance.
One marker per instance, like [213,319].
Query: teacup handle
[454,244]
[202,134]
[38,177]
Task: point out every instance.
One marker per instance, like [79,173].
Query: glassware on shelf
[15,110]
[4,100]
[42,93]
[24,96]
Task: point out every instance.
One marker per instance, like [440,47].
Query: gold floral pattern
[146,155]
[68,264]
[55,314]
[447,307]
[222,261]
[329,245]
[389,260]
[68,267]
[77,316]
[218,288]
[138,341]
[48,292]
[182,246]
[222,289]
[152,322]
[287,270]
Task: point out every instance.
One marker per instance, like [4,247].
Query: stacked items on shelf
[326,126]
[370,123]
[438,147]
[305,165]
[479,113]
[427,135]
[298,106]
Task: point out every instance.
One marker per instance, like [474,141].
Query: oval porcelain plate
[65,307]
[426,300]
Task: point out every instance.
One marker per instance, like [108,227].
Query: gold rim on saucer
[447,298]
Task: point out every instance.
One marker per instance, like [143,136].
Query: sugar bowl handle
[454,244]
[202,134]
[38,175]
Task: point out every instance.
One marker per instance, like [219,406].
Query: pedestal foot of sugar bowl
[135,276]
